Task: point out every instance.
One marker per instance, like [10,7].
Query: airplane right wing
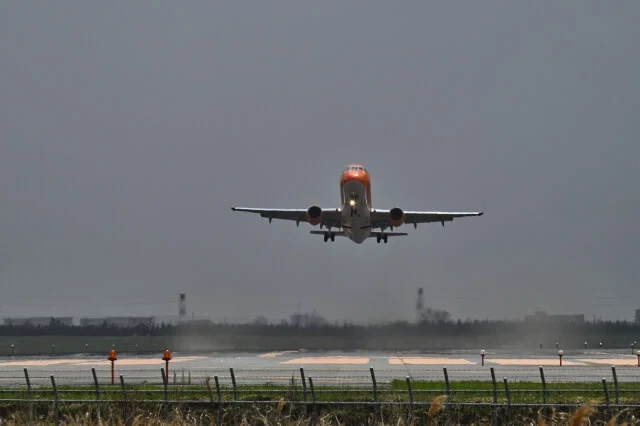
[381,217]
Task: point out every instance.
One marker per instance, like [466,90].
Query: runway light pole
[560,353]
[638,354]
[113,357]
[166,357]
[482,354]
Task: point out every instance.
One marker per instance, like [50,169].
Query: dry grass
[283,414]
[434,408]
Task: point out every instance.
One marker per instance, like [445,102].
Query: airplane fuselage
[355,193]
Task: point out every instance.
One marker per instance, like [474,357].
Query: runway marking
[428,361]
[613,361]
[328,360]
[274,354]
[37,362]
[134,361]
[532,361]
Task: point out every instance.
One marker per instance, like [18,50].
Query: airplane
[356,219]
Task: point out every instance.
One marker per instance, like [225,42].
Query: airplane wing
[381,217]
[329,216]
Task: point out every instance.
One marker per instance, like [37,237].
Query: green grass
[422,391]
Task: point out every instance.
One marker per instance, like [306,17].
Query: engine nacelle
[314,215]
[396,217]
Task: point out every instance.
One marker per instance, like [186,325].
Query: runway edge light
[112,357]
[166,357]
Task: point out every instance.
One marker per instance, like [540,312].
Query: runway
[335,368]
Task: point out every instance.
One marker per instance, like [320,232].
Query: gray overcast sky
[128,129]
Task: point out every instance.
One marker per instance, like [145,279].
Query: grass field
[291,405]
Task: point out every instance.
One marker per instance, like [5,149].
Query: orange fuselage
[361,176]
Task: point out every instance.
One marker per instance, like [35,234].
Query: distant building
[541,316]
[124,322]
[39,321]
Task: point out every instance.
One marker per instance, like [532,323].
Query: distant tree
[261,321]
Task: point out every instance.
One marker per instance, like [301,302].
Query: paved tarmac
[338,368]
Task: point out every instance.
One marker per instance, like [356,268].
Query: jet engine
[314,215]
[396,217]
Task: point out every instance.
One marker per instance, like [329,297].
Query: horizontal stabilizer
[388,234]
[336,233]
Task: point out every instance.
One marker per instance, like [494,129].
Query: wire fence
[223,391]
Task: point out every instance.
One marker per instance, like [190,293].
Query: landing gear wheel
[326,237]
[333,237]
[378,238]
[385,238]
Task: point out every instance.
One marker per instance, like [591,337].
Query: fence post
[314,418]
[304,384]
[219,399]
[165,382]
[57,407]
[495,386]
[30,405]
[446,383]
[544,386]
[124,399]
[375,385]
[95,382]
[615,384]
[506,391]
[606,392]
[408,379]
[235,386]
[410,413]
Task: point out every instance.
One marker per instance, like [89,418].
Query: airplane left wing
[381,217]
[327,217]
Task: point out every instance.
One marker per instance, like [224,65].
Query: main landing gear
[382,237]
[329,235]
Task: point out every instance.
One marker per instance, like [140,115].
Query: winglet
[480,213]
[233,208]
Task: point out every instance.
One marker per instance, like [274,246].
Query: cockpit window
[355,169]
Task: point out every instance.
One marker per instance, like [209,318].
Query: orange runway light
[112,357]
[166,357]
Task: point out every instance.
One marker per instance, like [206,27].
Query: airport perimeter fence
[494,395]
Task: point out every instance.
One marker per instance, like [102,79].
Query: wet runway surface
[337,368]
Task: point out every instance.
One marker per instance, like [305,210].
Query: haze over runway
[128,130]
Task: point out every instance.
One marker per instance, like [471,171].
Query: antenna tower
[182,307]
[419,305]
